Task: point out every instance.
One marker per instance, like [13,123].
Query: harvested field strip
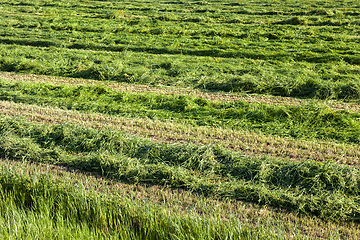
[327,190]
[310,121]
[168,91]
[171,132]
[186,202]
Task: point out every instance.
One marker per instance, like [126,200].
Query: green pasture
[308,49]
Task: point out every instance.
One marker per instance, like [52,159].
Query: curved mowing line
[135,88]
[170,132]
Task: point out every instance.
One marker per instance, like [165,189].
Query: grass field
[179,119]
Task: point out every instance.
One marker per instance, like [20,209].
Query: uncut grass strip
[256,193]
[67,205]
[211,96]
[309,121]
[171,132]
[325,190]
[108,216]
[186,202]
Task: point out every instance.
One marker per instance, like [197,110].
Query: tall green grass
[38,206]
[327,190]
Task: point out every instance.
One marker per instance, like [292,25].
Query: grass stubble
[250,215]
[168,91]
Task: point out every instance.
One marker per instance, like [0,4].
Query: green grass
[169,131]
[304,50]
[310,121]
[259,219]
[38,206]
[326,190]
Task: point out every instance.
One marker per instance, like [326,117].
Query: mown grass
[171,132]
[171,90]
[326,190]
[309,121]
[304,50]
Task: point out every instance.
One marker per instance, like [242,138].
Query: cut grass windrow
[171,132]
[191,204]
[300,122]
[308,49]
[326,190]
[168,91]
